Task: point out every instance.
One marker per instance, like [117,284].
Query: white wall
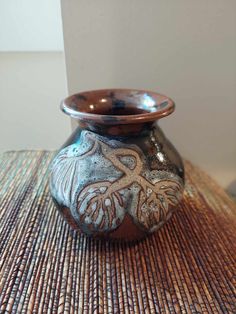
[30,25]
[32,75]
[184,49]
[31,88]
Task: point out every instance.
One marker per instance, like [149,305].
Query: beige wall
[30,25]
[32,85]
[184,49]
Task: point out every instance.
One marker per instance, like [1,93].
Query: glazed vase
[117,176]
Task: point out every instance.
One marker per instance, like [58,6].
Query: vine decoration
[102,205]
[99,201]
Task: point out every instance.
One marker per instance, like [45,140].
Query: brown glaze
[118,106]
[115,129]
[117,177]
[66,214]
[127,231]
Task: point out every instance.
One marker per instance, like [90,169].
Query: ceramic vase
[117,176]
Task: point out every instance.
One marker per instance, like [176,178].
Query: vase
[117,176]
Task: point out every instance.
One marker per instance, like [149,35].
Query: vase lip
[117,106]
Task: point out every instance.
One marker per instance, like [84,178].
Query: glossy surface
[121,181]
[118,106]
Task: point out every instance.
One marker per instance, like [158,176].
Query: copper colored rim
[69,106]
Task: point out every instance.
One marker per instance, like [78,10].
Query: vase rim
[118,106]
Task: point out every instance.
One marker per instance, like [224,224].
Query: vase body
[117,181]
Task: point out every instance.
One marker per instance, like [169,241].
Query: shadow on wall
[231,189]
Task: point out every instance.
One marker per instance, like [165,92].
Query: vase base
[127,231]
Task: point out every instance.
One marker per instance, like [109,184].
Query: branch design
[101,205]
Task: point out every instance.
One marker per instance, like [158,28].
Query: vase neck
[118,129]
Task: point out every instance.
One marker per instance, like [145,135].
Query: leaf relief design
[118,182]
[65,171]
[155,203]
[99,209]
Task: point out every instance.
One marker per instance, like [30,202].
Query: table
[188,266]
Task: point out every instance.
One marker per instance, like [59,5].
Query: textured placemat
[189,266]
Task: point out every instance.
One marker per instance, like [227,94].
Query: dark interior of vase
[118,102]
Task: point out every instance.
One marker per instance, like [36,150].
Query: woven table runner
[189,266]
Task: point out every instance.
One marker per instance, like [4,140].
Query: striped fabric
[189,266]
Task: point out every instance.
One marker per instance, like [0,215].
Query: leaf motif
[63,179]
[148,196]
[98,209]
[65,170]
[155,204]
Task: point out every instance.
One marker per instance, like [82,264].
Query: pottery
[117,176]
